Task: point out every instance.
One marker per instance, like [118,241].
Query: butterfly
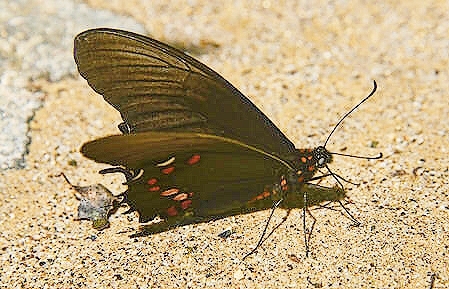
[193,148]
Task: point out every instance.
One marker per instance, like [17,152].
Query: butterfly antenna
[349,112]
[359,157]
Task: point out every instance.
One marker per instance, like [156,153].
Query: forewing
[158,88]
[137,150]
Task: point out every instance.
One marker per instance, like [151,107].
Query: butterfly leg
[314,195]
[355,222]
[337,192]
[262,237]
[307,233]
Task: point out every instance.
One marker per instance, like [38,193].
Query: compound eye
[321,162]
[322,157]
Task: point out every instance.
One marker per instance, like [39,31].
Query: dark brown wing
[158,88]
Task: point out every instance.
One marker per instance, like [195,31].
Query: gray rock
[36,40]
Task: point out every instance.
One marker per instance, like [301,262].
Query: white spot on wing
[166,163]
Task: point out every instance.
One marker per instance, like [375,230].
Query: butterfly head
[310,161]
[321,156]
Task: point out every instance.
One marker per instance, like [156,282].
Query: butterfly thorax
[308,161]
[304,163]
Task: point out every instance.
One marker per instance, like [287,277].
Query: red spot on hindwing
[168,170]
[186,204]
[283,182]
[193,159]
[262,196]
[172,211]
[152,181]
[154,188]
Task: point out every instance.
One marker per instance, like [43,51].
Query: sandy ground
[304,65]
